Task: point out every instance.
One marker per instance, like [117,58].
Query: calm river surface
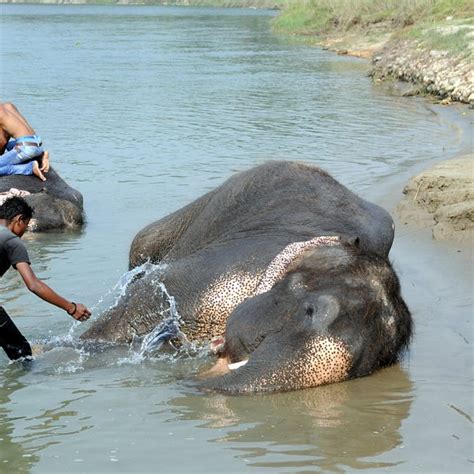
[143,110]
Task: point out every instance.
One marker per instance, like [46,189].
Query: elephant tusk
[236,365]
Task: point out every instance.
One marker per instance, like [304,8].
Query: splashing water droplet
[168,329]
[141,348]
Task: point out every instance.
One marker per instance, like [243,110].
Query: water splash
[120,288]
[148,347]
[112,297]
[168,331]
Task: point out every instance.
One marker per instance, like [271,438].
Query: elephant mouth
[222,366]
[223,363]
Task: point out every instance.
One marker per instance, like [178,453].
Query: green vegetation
[443,24]
[450,35]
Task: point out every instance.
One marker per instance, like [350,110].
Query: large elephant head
[336,314]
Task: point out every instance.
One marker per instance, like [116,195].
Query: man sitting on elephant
[20,147]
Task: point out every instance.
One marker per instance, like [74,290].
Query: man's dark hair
[15,206]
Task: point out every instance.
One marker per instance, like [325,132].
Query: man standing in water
[20,147]
[15,214]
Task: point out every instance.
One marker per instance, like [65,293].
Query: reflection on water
[25,436]
[14,455]
[334,427]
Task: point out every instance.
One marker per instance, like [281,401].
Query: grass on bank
[442,24]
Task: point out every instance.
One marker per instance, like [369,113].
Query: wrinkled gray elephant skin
[284,270]
[56,204]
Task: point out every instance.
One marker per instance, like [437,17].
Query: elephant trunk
[311,362]
[241,380]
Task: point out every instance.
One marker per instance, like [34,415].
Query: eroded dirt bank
[445,76]
[442,197]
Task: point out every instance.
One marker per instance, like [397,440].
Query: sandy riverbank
[442,197]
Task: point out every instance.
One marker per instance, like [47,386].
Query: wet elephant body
[286,267]
[56,204]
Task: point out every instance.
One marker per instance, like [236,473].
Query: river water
[143,110]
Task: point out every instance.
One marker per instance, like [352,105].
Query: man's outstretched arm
[35,285]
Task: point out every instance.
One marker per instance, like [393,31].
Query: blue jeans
[18,157]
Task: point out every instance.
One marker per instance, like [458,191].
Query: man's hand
[79,312]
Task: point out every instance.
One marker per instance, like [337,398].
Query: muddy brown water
[146,108]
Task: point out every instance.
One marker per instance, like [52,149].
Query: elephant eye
[309,309]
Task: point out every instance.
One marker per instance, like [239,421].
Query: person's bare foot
[37,172]
[45,162]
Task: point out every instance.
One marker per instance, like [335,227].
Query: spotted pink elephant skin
[286,268]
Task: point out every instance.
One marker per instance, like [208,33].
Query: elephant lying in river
[57,205]
[284,269]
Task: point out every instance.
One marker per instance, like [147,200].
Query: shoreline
[389,194]
[438,198]
[441,198]
[435,198]
[431,73]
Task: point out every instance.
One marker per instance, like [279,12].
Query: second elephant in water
[285,270]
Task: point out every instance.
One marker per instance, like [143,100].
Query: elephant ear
[323,313]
